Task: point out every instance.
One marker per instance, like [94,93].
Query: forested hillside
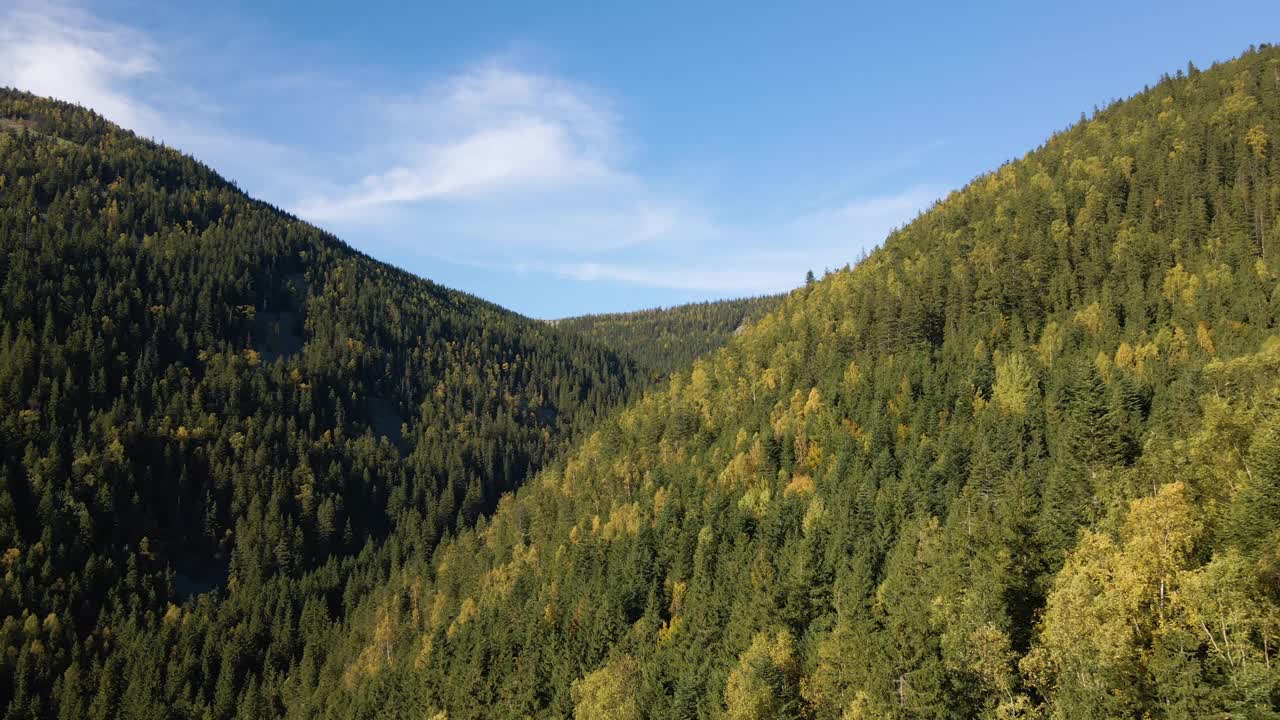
[664,339]
[1021,462]
[220,426]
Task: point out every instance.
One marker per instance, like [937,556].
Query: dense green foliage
[662,340]
[1021,462]
[201,393]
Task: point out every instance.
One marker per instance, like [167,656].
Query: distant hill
[664,339]
[1023,461]
[220,425]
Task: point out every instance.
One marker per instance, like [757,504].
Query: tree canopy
[1017,463]
[220,426]
[1020,462]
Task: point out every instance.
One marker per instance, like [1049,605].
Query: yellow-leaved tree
[1137,621]
[765,683]
[608,693]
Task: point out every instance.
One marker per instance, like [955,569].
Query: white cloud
[492,129]
[496,166]
[63,51]
[66,53]
[866,220]
[699,276]
[521,153]
[763,259]
[499,165]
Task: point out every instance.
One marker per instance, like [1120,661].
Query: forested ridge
[661,340]
[220,427]
[1023,461]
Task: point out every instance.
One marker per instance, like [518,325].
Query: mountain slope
[220,425]
[1020,462]
[664,339]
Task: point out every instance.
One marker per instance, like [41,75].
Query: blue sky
[565,158]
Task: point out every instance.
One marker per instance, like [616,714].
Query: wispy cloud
[490,130]
[65,52]
[763,259]
[497,165]
[697,276]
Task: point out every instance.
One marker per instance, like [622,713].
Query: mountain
[664,339]
[220,426]
[1023,461]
